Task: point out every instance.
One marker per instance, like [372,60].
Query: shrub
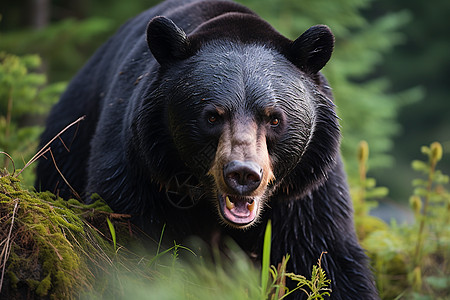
[411,261]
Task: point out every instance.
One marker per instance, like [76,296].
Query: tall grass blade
[266,259]
[113,233]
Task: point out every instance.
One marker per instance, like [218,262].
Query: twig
[45,148]
[12,161]
[7,248]
[62,142]
[62,176]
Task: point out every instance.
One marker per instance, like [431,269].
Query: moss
[44,286]
[13,280]
[51,243]
[33,284]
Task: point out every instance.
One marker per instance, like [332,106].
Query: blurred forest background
[390,71]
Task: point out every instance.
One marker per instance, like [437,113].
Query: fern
[317,287]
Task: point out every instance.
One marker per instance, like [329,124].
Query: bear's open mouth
[237,210]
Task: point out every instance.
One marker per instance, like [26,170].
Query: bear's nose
[242,177]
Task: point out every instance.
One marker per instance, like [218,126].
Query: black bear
[201,117]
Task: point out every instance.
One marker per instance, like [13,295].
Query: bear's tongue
[238,210]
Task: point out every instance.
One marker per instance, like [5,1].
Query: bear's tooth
[230,205]
[251,206]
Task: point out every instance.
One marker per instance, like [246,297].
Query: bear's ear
[312,50]
[166,41]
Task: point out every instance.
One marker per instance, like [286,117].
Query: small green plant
[174,251]
[314,288]
[317,287]
[431,205]
[412,261]
[365,194]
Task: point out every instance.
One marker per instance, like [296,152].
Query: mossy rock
[54,250]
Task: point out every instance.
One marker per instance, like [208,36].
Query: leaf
[419,165]
[31,61]
[420,192]
[438,177]
[266,257]
[425,150]
[438,282]
[378,192]
[113,232]
[419,182]
[370,183]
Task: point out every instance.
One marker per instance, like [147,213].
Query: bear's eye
[274,122]
[212,119]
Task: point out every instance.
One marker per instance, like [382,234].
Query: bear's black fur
[211,122]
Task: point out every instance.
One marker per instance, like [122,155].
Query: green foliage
[44,231]
[412,261]
[422,60]
[198,277]
[315,288]
[52,251]
[50,248]
[65,46]
[433,219]
[22,95]
[75,30]
[364,193]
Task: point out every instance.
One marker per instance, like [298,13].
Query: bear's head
[242,108]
